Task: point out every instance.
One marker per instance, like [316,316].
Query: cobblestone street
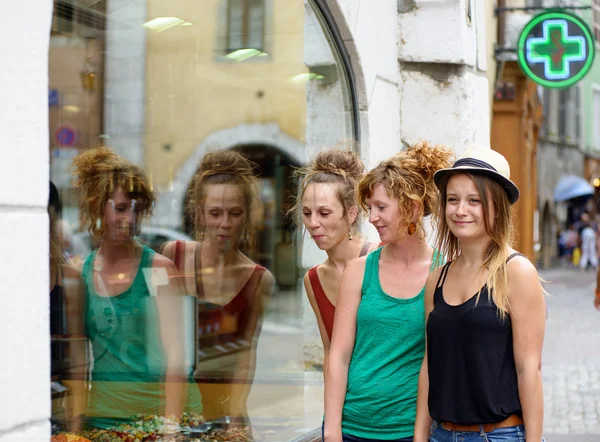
[571,364]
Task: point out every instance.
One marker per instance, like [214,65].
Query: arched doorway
[275,247]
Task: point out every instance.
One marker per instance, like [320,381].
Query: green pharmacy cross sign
[556,49]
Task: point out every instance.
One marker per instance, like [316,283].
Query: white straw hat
[483,161]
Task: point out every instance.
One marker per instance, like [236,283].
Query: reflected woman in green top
[379,332]
[133,304]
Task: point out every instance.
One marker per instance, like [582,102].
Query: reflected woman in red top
[327,202]
[229,292]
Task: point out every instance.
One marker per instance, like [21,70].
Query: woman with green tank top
[133,306]
[378,339]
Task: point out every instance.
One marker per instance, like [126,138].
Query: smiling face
[223,214]
[323,215]
[464,209]
[120,217]
[384,214]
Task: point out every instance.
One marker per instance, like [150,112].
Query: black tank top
[472,373]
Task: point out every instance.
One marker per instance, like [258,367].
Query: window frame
[596,21]
[245,31]
[330,25]
[595,138]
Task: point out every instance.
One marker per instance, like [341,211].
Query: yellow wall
[79,109]
[192,92]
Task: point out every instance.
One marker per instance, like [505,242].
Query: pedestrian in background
[481,378]
[378,334]
[330,214]
[589,255]
[571,241]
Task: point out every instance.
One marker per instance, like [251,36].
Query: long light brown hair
[500,230]
[408,178]
[98,174]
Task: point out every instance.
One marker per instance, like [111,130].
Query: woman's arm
[322,330]
[528,317]
[170,303]
[342,345]
[423,421]
[244,371]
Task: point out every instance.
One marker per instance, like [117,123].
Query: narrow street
[571,364]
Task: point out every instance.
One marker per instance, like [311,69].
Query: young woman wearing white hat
[485,314]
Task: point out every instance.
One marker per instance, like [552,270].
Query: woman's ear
[352,214]
[416,212]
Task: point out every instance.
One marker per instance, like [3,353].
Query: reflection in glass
[133,309]
[231,291]
[162,84]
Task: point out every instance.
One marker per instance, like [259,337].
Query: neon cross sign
[556,49]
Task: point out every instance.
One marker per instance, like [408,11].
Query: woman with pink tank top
[327,202]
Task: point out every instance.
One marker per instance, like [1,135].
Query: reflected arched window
[245,24]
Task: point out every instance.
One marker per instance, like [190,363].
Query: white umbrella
[571,186]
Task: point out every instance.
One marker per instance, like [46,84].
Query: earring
[246,234]
[412,228]
[202,233]
[350,235]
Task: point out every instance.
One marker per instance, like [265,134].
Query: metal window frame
[321,7]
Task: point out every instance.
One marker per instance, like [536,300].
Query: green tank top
[129,361]
[381,396]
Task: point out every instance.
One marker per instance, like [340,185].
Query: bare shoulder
[161,261]
[267,279]
[356,265]
[70,271]
[434,276]
[307,284]
[168,248]
[524,285]
[520,268]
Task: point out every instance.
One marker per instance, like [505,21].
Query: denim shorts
[508,434]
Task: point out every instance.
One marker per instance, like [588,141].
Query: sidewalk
[571,358]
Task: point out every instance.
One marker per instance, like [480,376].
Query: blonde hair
[337,167]
[408,178]
[500,231]
[98,174]
[225,167]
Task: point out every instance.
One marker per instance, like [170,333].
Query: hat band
[472,162]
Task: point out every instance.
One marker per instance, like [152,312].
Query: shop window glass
[132,335]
